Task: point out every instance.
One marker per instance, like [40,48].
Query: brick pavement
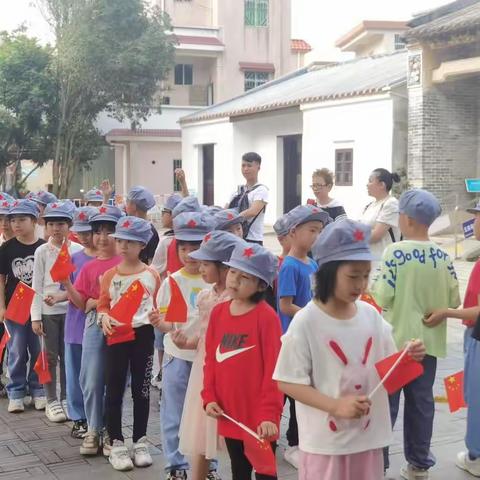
[33,448]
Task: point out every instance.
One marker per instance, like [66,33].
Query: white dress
[198,432]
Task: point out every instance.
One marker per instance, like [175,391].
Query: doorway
[292,171]
[208,173]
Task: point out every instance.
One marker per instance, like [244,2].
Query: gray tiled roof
[463,20]
[356,77]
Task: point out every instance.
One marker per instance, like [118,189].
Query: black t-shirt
[147,254]
[16,263]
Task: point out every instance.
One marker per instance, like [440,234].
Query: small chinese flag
[63,266]
[454,388]
[405,372]
[260,455]
[41,368]
[3,343]
[366,297]
[18,309]
[123,311]
[177,308]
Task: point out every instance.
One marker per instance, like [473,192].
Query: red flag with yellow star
[454,388]
[18,309]
[260,455]
[177,308]
[123,311]
[41,368]
[63,266]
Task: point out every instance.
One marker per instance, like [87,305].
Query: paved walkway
[33,448]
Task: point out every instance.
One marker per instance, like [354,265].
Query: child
[163,264]
[48,316]
[75,324]
[42,199]
[230,221]
[16,264]
[5,229]
[417,277]
[84,295]
[281,231]
[132,235]
[242,345]
[327,364]
[139,202]
[94,198]
[304,223]
[469,460]
[190,228]
[198,433]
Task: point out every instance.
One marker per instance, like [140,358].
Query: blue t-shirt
[294,280]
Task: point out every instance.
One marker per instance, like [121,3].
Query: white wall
[259,133]
[365,126]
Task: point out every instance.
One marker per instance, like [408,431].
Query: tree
[110,55]
[27,92]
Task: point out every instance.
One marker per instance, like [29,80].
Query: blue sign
[468,228]
[473,185]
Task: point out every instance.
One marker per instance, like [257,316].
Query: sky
[318,22]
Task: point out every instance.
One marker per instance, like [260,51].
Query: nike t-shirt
[241,352]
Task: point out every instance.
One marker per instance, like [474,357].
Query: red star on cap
[103,210]
[15,203]
[98,192]
[192,223]
[82,216]
[208,236]
[248,252]
[315,210]
[126,224]
[230,216]
[358,235]
[1,197]
[54,205]
[5,204]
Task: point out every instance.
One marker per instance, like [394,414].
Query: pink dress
[198,432]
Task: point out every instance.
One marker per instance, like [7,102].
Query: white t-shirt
[190,286]
[256,230]
[382,211]
[311,354]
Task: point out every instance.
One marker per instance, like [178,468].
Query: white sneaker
[140,454]
[40,403]
[15,405]
[106,447]
[27,400]
[410,472]
[65,409]
[119,457]
[470,466]
[292,456]
[90,444]
[54,412]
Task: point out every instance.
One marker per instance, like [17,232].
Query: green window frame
[256,13]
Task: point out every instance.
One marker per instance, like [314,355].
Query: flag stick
[42,346]
[36,293]
[243,427]
[394,366]
[6,329]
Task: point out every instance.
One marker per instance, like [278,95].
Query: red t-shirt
[472,292]
[241,353]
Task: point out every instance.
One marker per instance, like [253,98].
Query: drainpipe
[124,165]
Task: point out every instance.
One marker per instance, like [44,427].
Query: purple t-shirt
[75,319]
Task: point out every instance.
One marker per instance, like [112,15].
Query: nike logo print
[221,357]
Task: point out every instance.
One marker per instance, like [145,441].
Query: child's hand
[267,430]
[90,305]
[51,300]
[108,325]
[37,328]
[154,317]
[179,338]
[417,350]
[435,318]
[213,410]
[351,406]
